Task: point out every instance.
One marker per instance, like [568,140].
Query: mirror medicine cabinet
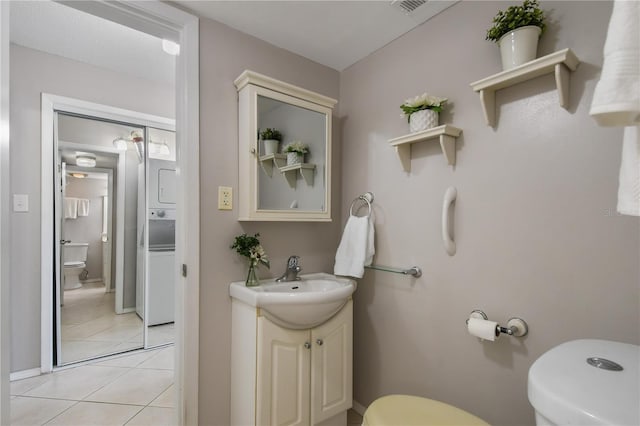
[271,186]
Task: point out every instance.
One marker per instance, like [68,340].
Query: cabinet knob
[319,342]
[307,345]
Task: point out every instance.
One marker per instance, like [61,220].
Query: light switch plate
[21,203]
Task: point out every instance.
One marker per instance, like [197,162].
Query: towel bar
[414,271]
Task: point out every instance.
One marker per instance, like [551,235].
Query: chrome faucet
[291,274]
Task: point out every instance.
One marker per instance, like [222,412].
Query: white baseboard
[24,374]
[92,280]
[128,310]
[358,408]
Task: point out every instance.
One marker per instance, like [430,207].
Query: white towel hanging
[70,206]
[83,207]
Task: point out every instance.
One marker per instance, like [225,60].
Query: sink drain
[604,364]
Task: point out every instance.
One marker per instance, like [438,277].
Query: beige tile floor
[90,328]
[131,389]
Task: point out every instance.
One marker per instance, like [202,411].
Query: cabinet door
[332,366]
[283,376]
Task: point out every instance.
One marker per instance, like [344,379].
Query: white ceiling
[60,30]
[334,33]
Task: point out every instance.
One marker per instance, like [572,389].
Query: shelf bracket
[404,154]
[562,82]
[448,145]
[488,100]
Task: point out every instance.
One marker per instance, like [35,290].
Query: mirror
[285,151]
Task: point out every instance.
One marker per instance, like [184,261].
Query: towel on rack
[70,206]
[616,100]
[356,248]
[629,183]
[83,207]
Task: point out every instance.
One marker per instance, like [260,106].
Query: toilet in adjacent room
[75,256]
[406,410]
[586,382]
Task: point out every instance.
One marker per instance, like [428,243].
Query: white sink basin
[297,304]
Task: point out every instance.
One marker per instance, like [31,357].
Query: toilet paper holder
[516,327]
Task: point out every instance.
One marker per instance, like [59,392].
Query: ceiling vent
[408,6]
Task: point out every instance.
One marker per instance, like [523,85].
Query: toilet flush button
[604,364]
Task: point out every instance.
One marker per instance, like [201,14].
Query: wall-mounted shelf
[267,162]
[560,63]
[446,134]
[306,170]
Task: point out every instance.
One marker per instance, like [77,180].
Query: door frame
[165,21]
[119,190]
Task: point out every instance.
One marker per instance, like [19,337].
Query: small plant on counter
[529,13]
[270,134]
[250,248]
[422,102]
[297,147]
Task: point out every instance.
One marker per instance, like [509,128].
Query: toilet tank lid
[564,388]
[77,245]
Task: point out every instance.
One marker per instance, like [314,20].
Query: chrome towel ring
[367,197]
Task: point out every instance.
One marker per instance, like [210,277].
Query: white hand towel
[616,100]
[70,206]
[83,207]
[629,188]
[356,248]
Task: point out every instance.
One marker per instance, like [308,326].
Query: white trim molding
[5,259]
[24,374]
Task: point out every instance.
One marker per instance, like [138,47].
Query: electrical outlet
[225,198]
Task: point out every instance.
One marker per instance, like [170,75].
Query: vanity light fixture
[171,47]
[85,159]
[120,144]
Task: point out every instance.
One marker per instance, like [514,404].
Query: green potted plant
[271,139]
[517,30]
[422,112]
[295,152]
[250,248]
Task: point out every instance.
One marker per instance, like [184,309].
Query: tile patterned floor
[90,327]
[131,389]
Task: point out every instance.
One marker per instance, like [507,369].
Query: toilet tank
[75,252]
[565,389]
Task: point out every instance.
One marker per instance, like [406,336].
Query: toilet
[406,410]
[580,383]
[75,256]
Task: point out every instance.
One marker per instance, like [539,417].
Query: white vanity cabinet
[281,376]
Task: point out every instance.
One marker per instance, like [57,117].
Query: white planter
[519,46]
[423,120]
[294,158]
[271,146]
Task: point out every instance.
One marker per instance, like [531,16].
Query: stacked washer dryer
[161,220]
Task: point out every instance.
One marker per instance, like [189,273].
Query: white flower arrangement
[297,146]
[421,102]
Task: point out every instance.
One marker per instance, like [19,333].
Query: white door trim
[49,106]
[119,190]
[5,259]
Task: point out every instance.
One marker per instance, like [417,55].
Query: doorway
[92,317]
[164,21]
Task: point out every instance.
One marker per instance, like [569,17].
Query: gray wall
[33,72]
[224,54]
[535,220]
[88,229]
